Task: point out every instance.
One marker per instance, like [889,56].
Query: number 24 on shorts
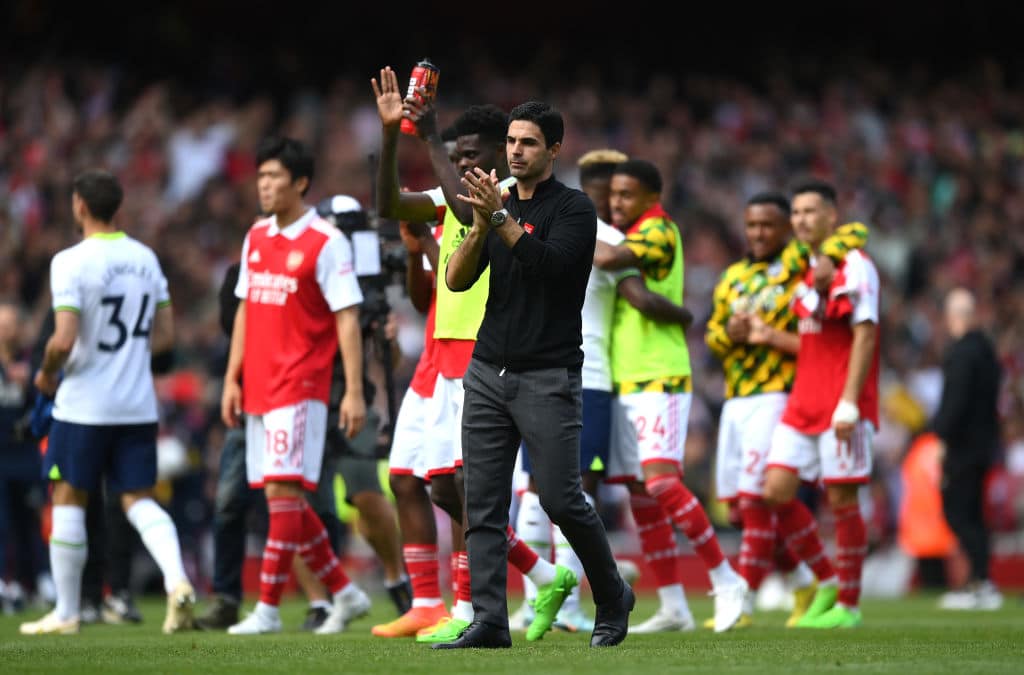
[657,428]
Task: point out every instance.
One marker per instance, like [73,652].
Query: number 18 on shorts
[286,444]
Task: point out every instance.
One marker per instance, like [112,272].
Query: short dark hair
[643,171]
[101,192]
[292,154]
[544,116]
[776,199]
[449,134]
[819,187]
[488,121]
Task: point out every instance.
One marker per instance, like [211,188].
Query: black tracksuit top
[537,287]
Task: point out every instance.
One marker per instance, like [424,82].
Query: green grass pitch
[904,636]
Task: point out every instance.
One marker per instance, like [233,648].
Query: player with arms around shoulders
[112,313]
[832,412]
[299,301]
[752,331]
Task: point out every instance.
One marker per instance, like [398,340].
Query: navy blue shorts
[82,454]
[596,434]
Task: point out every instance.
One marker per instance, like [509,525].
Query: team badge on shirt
[294,260]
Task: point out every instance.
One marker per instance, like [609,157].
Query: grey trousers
[544,409]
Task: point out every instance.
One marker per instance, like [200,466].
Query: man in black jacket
[523,383]
[967,423]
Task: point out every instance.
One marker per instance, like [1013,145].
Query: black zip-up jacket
[968,416]
[537,287]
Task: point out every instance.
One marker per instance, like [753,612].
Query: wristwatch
[499,217]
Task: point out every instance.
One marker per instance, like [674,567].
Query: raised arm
[391,202]
[421,111]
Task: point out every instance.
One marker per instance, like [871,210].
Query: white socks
[269,612]
[673,599]
[160,537]
[68,551]
[534,527]
[723,575]
[463,610]
[801,576]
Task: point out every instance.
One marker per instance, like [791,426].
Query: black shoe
[479,635]
[315,617]
[223,614]
[612,620]
[401,595]
[120,608]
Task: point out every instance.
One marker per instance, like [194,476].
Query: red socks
[758,541]
[797,526]
[422,565]
[462,587]
[316,552]
[657,539]
[522,557]
[687,513]
[283,535]
[851,549]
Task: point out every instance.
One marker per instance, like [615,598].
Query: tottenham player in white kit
[112,310]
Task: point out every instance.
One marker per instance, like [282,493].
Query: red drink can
[425,75]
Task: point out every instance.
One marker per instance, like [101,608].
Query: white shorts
[816,457]
[744,439]
[428,432]
[647,427]
[286,444]
[444,426]
[407,444]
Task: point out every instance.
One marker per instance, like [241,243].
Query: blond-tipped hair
[602,156]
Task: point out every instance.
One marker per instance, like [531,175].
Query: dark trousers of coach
[543,408]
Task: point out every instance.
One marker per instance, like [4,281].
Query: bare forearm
[387,174]
[861,354]
[784,341]
[55,356]
[613,258]
[351,343]
[449,179]
[461,269]
[417,283]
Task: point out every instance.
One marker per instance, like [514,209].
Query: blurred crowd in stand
[934,166]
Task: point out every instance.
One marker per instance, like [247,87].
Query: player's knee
[445,496]
[780,488]
[405,486]
[842,496]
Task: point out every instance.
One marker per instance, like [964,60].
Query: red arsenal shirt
[293,280]
[826,338]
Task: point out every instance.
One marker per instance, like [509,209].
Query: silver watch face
[499,217]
